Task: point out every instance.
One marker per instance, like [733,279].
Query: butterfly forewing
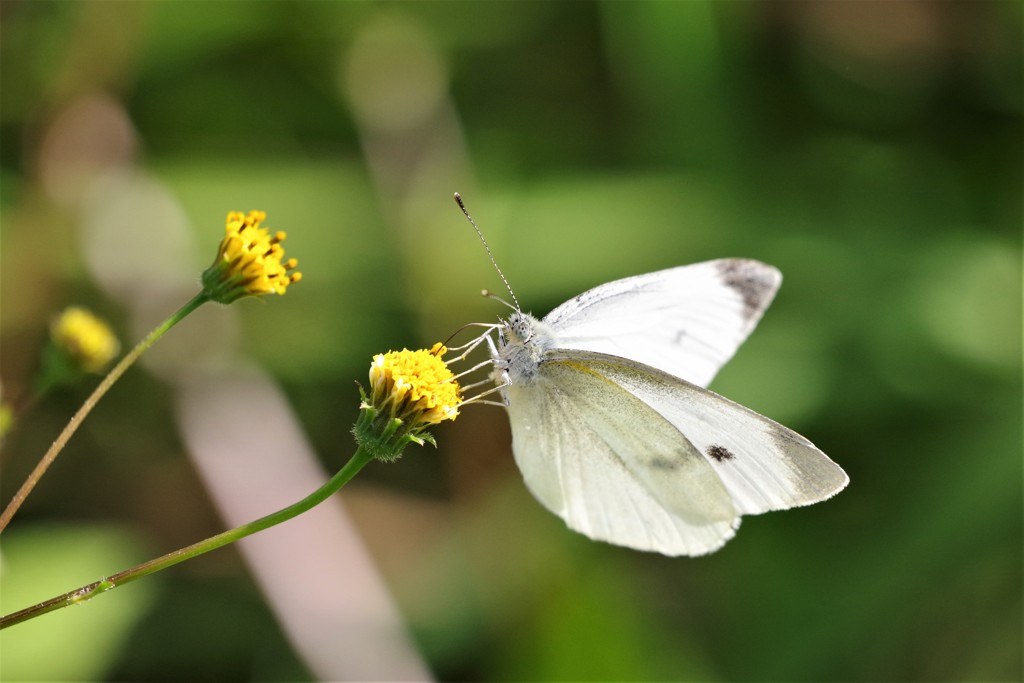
[687,321]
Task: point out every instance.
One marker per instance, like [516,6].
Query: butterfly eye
[519,328]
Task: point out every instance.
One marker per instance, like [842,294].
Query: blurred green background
[871,151]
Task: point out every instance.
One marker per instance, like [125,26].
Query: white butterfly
[613,430]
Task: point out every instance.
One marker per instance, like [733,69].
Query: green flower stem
[361,457]
[91,402]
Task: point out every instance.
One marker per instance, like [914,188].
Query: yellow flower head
[85,339]
[250,261]
[409,391]
[417,383]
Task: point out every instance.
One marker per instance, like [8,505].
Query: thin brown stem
[90,403]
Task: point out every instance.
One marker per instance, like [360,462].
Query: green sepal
[217,286]
[385,437]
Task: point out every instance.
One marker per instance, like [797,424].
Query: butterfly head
[518,328]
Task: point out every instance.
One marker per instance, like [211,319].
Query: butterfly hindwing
[611,467]
[764,465]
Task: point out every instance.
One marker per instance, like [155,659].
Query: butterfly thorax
[524,340]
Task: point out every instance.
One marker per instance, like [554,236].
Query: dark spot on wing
[752,280]
[662,463]
[720,453]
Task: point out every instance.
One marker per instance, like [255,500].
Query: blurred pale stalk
[396,82]
[315,571]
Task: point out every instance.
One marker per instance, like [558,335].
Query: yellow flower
[249,261]
[6,420]
[409,391]
[417,384]
[85,339]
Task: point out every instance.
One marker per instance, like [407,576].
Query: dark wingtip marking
[754,281]
[720,453]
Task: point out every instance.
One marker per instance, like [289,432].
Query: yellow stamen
[415,386]
[250,261]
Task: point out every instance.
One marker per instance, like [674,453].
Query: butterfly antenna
[458,200]
[491,295]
